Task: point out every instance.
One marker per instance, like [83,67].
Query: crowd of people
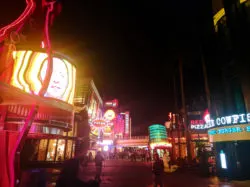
[133,155]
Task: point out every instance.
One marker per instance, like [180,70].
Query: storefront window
[68,150]
[70,133]
[42,150]
[60,150]
[51,150]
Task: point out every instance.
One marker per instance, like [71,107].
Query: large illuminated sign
[202,123]
[109,115]
[29,70]
[221,121]
[99,123]
[233,119]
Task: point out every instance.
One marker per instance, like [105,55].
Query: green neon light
[157,132]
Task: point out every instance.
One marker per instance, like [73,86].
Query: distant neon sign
[157,133]
[109,115]
[127,122]
[203,123]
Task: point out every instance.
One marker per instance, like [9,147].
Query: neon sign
[109,115]
[99,123]
[29,70]
[229,130]
[157,133]
[233,119]
[102,125]
[112,104]
[221,121]
[160,144]
[203,123]
[30,6]
[127,123]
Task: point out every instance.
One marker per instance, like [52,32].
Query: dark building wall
[228,64]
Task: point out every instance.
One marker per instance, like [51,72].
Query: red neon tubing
[30,6]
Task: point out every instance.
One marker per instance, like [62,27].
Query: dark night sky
[129,47]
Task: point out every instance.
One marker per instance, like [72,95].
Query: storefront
[230,136]
[198,126]
[36,127]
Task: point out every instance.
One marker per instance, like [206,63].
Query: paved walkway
[124,173]
[138,174]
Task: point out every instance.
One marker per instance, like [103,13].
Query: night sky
[131,49]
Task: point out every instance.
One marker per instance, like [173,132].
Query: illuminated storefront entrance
[49,150]
[231,139]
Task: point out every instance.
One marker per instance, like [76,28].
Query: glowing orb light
[106,148]
[109,115]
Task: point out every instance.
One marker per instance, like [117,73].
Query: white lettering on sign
[233,119]
[221,121]
[248,117]
[202,126]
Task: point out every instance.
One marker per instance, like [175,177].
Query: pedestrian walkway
[124,173]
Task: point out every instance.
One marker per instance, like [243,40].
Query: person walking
[98,164]
[158,170]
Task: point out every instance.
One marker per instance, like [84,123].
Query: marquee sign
[29,70]
[221,121]
[99,123]
[229,133]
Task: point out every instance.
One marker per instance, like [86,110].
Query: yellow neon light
[22,70]
[220,14]
[33,72]
[160,144]
[17,65]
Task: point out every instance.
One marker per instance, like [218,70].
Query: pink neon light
[30,6]
[206,116]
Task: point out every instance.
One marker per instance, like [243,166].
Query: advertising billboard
[29,70]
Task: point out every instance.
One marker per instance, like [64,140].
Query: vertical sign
[127,123]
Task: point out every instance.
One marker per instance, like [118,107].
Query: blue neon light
[229,130]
